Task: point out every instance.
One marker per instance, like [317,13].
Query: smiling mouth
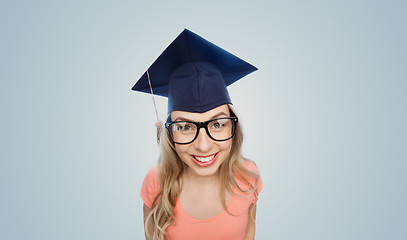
[204,161]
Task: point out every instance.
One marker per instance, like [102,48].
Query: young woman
[201,187]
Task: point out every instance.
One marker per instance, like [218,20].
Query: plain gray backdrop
[324,116]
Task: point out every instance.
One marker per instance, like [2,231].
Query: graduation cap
[193,73]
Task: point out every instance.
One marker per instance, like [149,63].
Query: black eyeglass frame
[200,125]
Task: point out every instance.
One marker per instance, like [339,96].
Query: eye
[186,127]
[183,127]
[219,124]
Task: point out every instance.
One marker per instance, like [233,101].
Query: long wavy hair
[170,169]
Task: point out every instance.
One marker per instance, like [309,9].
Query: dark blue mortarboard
[193,73]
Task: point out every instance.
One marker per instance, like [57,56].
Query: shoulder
[250,165]
[151,177]
[253,177]
[247,172]
[152,172]
[150,187]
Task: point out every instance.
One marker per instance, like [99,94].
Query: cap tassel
[158,124]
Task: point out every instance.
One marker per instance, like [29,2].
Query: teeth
[204,159]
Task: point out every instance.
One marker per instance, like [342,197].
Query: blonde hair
[170,169]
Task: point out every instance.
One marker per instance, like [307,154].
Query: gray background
[324,117]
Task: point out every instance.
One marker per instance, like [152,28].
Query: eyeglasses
[185,132]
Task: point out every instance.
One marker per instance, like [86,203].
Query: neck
[193,178]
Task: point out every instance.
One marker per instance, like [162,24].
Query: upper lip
[204,156]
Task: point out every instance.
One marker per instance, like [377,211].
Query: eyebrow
[213,117]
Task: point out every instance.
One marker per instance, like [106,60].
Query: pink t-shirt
[223,226]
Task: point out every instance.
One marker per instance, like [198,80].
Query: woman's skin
[201,184]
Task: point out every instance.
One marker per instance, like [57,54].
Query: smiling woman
[203,156]
[201,187]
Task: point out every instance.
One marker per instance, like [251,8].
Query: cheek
[181,149]
[225,146]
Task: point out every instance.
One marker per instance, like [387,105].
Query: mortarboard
[193,73]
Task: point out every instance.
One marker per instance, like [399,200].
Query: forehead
[220,111]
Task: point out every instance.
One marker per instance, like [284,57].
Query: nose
[203,142]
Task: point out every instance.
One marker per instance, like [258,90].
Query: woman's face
[204,155]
